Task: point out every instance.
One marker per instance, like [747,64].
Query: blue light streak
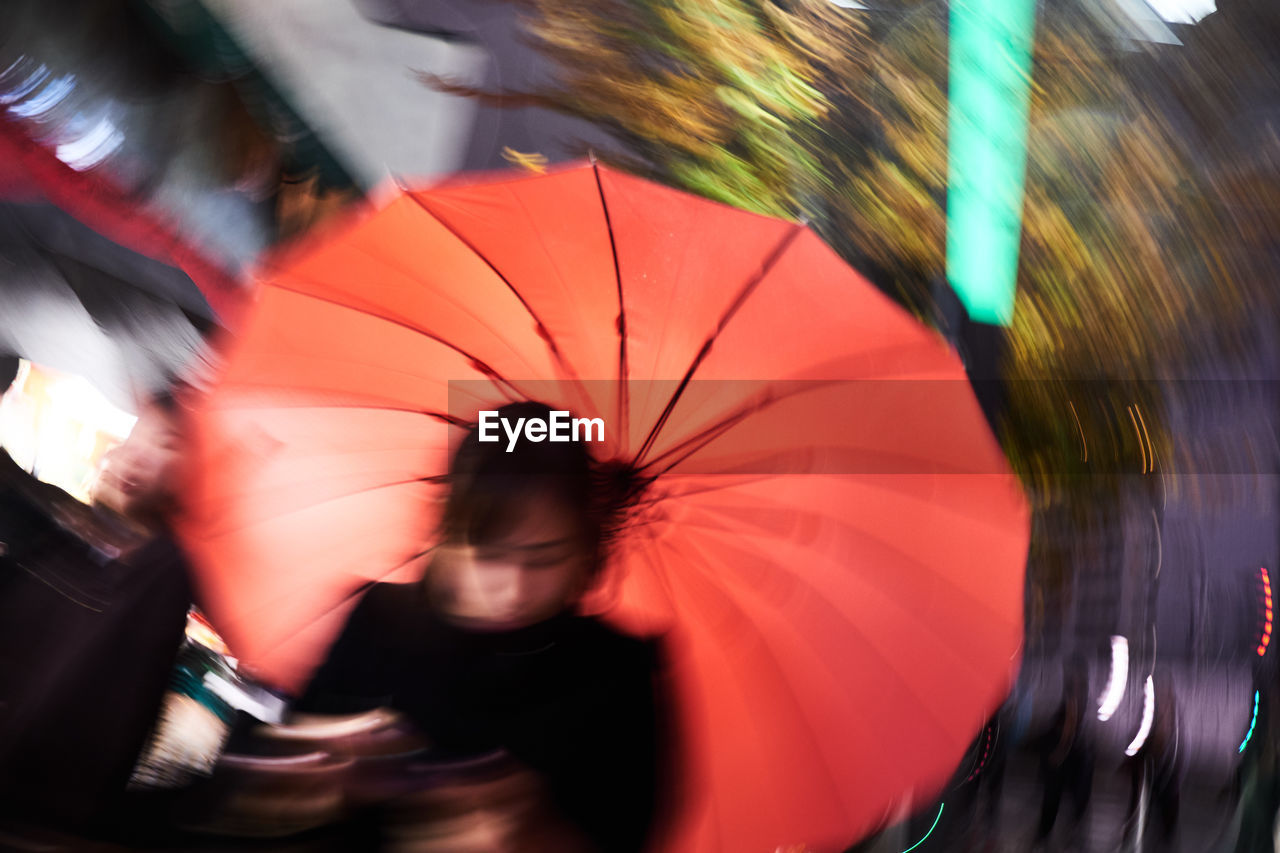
[941,806]
[1252,723]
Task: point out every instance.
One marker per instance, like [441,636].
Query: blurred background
[1082,196]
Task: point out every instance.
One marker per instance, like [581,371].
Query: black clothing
[1066,764]
[570,698]
[1156,766]
[1073,777]
[87,640]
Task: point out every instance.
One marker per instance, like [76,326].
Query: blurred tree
[803,108]
[731,100]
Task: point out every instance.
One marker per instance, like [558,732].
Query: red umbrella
[832,537]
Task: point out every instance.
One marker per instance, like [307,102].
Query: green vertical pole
[990,87]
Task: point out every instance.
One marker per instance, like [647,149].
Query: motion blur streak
[1148,714]
[1118,679]
[1253,721]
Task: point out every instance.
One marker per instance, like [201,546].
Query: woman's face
[530,574]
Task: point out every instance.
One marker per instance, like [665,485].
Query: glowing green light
[941,806]
[990,86]
[1252,723]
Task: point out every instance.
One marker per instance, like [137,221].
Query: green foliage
[805,109]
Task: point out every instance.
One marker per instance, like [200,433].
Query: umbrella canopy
[830,535]
[75,301]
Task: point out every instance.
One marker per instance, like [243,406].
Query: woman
[96,602]
[1066,755]
[487,655]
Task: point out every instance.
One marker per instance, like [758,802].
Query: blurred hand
[509,811]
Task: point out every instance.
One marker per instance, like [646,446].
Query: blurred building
[134,194]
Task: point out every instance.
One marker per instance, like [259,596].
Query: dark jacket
[88,635]
[571,699]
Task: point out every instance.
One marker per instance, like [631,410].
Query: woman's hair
[490,488]
[9,365]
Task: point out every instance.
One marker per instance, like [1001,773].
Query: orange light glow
[1266,622]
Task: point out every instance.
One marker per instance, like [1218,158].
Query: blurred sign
[990,85]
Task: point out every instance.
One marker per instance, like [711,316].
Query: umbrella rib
[476,361]
[433,479]
[444,417]
[722,482]
[456,303]
[744,294]
[691,446]
[86,288]
[705,437]
[698,573]
[953,588]
[359,590]
[822,600]
[624,369]
[312,618]
[717,818]
[543,331]
[700,440]
[385,404]
[715,430]
[192,301]
[657,570]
